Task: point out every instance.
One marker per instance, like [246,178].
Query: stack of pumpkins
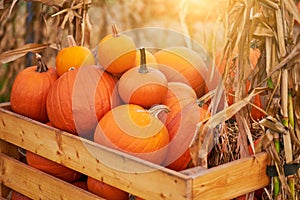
[134,101]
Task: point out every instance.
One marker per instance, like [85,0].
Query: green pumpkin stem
[41,66]
[143,67]
[155,110]
[115,31]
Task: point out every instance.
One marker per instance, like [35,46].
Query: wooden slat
[126,172]
[233,179]
[38,185]
[11,150]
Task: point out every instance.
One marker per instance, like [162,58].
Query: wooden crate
[149,181]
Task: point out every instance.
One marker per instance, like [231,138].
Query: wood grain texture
[10,150]
[126,172]
[230,180]
[38,185]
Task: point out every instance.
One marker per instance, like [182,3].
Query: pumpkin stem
[143,68]
[115,31]
[41,66]
[71,41]
[155,110]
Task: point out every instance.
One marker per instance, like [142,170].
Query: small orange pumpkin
[181,64]
[73,56]
[144,86]
[30,89]
[76,103]
[132,129]
[116,52]
[106,191]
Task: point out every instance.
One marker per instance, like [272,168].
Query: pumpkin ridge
[60,102]
[110,90]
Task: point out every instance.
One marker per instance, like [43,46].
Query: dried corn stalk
[274,26]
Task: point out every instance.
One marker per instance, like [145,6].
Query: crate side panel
[232,179]
[126,172]
[38,185]
[11,150]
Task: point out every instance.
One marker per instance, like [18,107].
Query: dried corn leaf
[11,7]
[280,33]
[291,7]
[244,134]
[269,4]
[230,111]
[13,55]
[263,30]
[206,132]
[59,3]
[273,124]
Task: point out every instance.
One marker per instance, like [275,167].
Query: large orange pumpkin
[143,85]
[18,196]
[116,52]
[73,56]
[30,89]
[79,98]
[181,123]
[50,167]
[106,191]
[181,64]
[132,129]
[81,184]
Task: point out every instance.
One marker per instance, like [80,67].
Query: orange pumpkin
[116,52]
[81,184]
[132,129]
[180,64]
[144,86]
[30,90]
[73,56]
[106,191]
[76,103]
[18,196]
[50,167]
[181,123]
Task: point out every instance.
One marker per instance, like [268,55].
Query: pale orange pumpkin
[116,52]
[144,86]
[181,64]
